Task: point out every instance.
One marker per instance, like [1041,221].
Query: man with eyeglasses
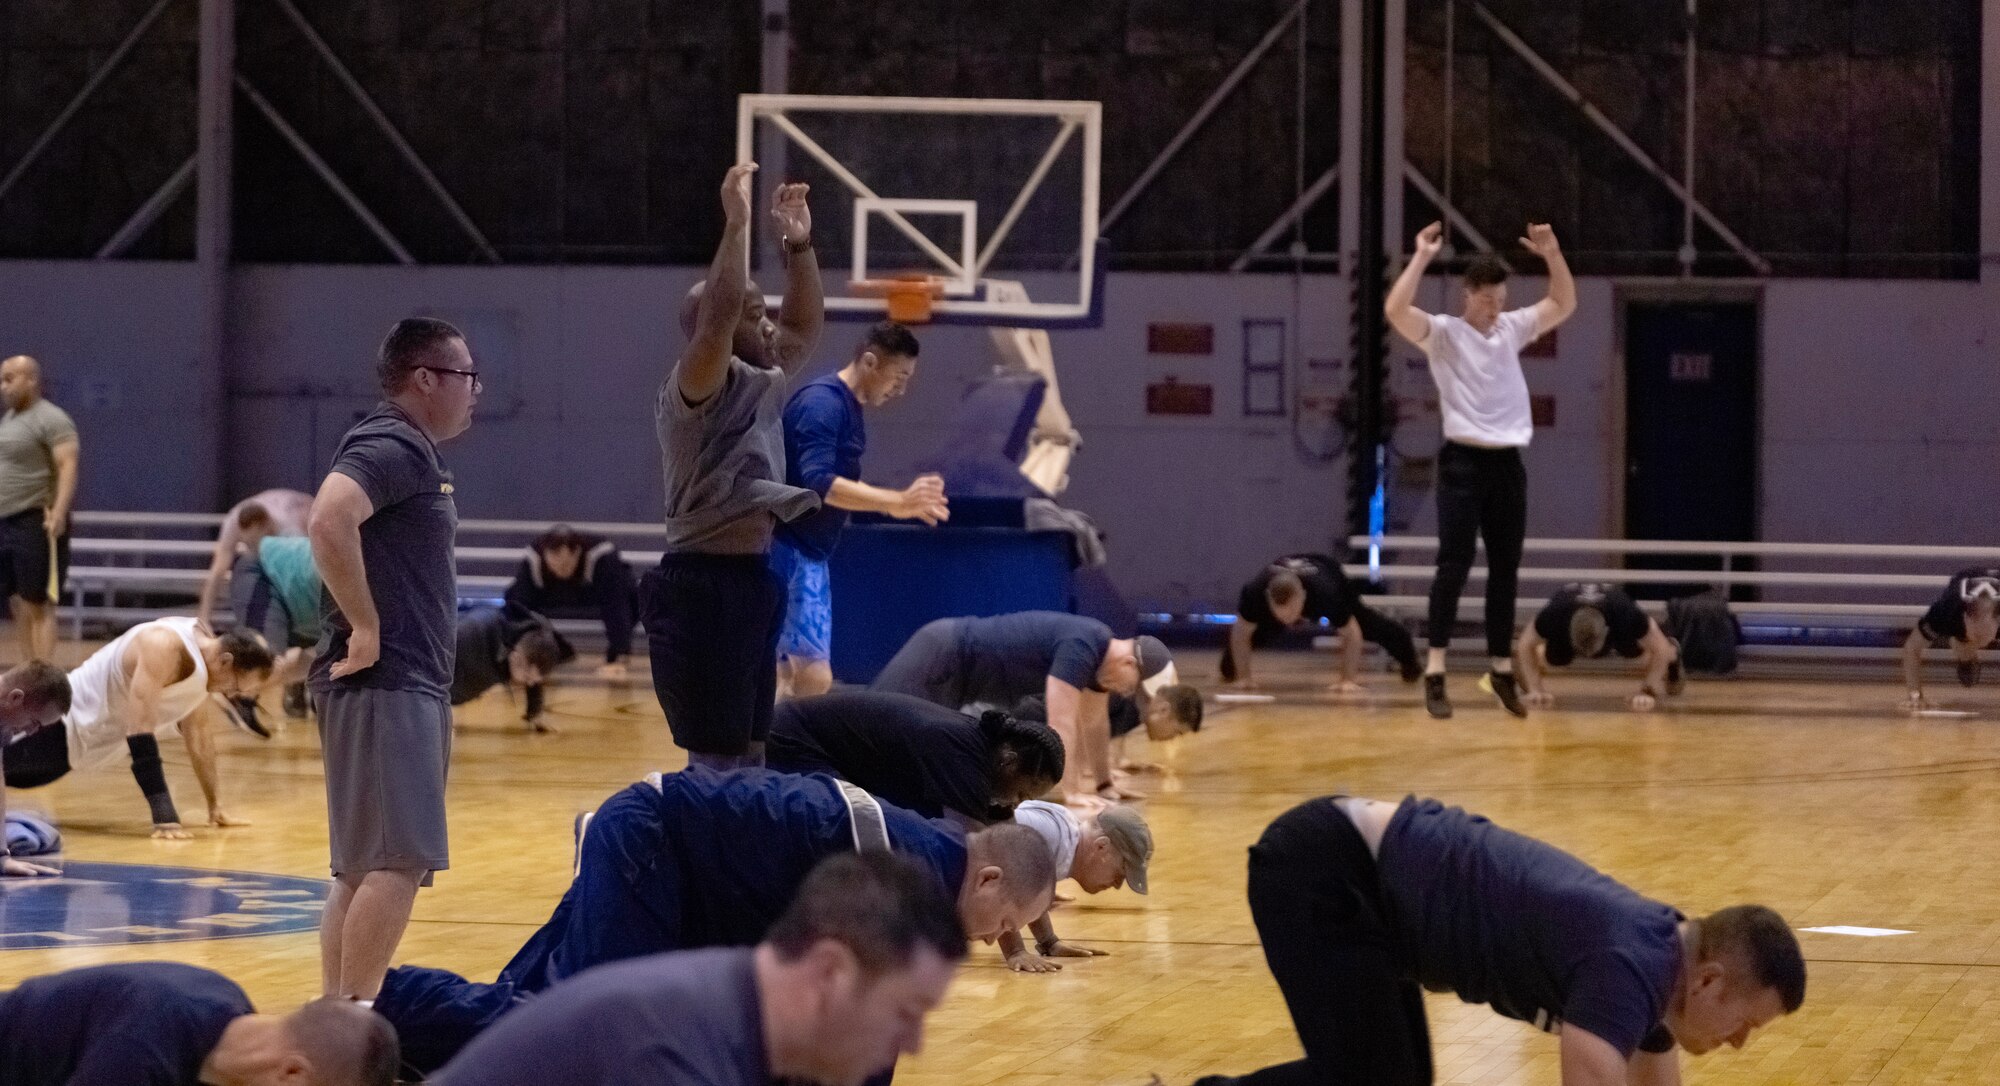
[713,607]
[1965,619]
[382,531]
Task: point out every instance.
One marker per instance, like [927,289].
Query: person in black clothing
[1174,712]
[166,1024]
[1965,619]
[510,645]
[922,757]
[1302,587]
[1363,906]
[1585,621]
[570,574]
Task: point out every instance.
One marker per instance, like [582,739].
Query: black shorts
[42,758]
[712,624]
[32,566]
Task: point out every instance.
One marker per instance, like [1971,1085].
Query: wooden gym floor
[1819,799]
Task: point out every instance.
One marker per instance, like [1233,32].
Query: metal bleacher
[1813,598]
[129,567]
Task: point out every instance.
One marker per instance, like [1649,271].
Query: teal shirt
[288,564]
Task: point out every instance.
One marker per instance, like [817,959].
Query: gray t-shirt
[684,1018]
[407,548]
[27,456]
[724,463]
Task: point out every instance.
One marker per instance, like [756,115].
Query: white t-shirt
[1481,391]
[1057,828]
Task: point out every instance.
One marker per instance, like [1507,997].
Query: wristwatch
[798,246]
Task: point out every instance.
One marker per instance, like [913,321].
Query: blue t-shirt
[1008,657]
[689,1016]
[141,1024]
[825,436]
[287,561]
[406,545]
[1525,927]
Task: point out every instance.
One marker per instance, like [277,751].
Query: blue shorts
[808,629]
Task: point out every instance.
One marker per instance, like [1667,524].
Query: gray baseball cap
[1131,840]
[1156,665]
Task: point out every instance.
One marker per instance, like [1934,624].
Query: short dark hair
[247,650]
[541,648]
[887,337]
[1026,867]
[252,515]
[1038,750]
[1283,588]
[347,1044]
[561,537]
[1760,940]
[409,345]
[44,683]
[1187,704]
[1484,270]
[1588,632]
[878,905]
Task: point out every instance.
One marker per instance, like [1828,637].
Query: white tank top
[100,693]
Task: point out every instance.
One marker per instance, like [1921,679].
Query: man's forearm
[201,756]
[860,497]
[1562,285]
[1044,930]
[1913,664]
[1239,649]
[1656,670]
[65,493]
[1350,651]
[1403,293]
[804,313]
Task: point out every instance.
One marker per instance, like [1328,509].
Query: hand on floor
[1539,700]
[23,869]
[1643,702]
[220,818]
[1029,962]
[170,831]
[615,671]
[1347,686]
[1060,949]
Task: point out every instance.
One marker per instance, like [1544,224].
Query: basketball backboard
[967,192]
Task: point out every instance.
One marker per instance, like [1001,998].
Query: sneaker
[1968,673]
[295,701]
[1676,678]
[1507,691]
[1435,701]
[242,712]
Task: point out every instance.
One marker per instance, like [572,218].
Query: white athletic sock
[1435,665]
[1502,666]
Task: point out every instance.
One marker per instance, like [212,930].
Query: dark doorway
[1691,377]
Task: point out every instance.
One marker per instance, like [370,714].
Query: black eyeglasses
[470,375]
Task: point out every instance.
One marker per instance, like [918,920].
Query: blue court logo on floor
[96,904]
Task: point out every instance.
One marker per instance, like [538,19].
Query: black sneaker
[1413,670]
[295,701]
[1676,678]
[1435,701]
[1505,689]
[243,713]
[1968,673]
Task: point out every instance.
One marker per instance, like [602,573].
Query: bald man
[38,456]
[286,511]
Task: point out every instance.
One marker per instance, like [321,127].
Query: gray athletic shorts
[386,754]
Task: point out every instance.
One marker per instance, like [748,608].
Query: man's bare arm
[66,456]
[705,365]
[803,315]
[335,532]
[1589,1060]
[1410,322]
[1561,301]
